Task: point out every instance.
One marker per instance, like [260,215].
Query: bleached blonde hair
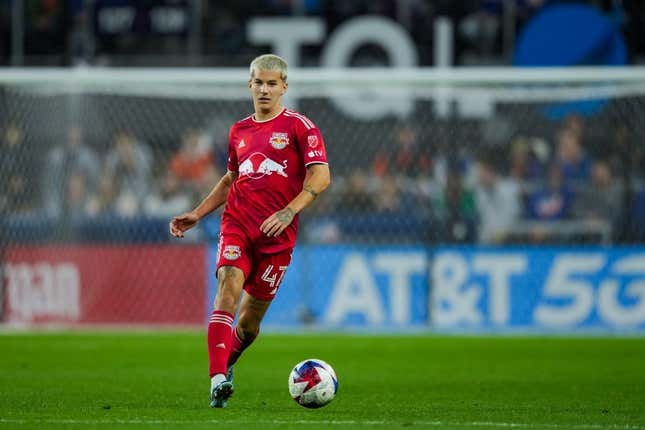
[270,62]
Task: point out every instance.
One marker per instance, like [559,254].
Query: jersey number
[275,279]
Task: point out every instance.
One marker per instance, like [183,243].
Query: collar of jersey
[272,118]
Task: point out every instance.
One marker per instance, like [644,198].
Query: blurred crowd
[535,189]
[564,188]
[75,180]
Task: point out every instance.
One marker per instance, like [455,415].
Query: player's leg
[230,281]
[261,287]
[233,267]
[252,311]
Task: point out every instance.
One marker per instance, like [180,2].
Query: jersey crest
[279,140]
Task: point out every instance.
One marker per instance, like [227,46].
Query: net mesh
[107,163]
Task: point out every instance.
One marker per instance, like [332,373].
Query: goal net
[94,163]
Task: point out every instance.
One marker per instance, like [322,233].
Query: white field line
[473,424]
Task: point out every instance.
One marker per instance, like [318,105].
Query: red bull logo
[279,140]
[259,165]
[232,252]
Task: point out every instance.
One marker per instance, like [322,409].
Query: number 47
[275,279]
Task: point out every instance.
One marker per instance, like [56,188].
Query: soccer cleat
[221,393]
[229,374]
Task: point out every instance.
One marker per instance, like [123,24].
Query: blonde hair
[270,62]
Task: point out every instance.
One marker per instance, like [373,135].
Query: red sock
[238,346]
[219,341]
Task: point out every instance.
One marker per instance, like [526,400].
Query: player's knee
[229,285]
[225,302]
[225,299]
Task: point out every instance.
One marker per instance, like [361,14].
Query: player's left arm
[316,181]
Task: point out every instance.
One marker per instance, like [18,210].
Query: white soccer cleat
[221,391]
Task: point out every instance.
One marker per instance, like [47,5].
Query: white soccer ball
[313,383]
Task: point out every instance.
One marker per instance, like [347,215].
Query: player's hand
[183,222]
[276,223]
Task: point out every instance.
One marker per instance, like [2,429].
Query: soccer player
[277,165]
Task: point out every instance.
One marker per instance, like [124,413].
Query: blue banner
[540,289]
[462,288]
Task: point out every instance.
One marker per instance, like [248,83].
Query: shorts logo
[279,140]
[232,252]
[312,141]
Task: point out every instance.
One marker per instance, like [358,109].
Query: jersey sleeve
[311,143]
[232,164]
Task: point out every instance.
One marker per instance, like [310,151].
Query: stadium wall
[374,288]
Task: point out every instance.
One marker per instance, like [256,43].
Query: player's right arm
[214,199]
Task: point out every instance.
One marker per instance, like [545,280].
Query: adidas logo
[241,144]
[220,345]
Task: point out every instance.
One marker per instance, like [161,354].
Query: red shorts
[263,273]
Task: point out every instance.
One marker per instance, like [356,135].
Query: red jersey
[270,158]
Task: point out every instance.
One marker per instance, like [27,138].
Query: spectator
[129,162]
[575,124]
[103,202]
[17,170]
[550,202]
[602,199]
[404,159]
[193,163]
[456,210]
[407,158]
[571,158]
[168,198]
[389,198]
[77,197]
[70,159]
[527,158]
[497,201]
[356,195]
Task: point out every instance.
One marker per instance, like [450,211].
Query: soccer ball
[313,383]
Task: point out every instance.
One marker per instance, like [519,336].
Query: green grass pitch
[158,380]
